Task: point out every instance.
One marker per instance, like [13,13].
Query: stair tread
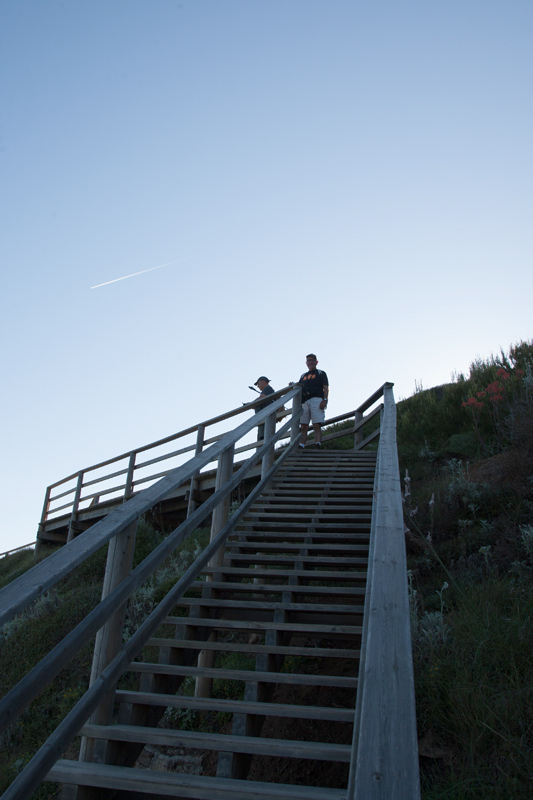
[197,786]
[238,706]
[263,605]
[307,574]
[273,588]
[260,625]
[292,678]
[276,559]
[269,649]
[291,546]
[219,741]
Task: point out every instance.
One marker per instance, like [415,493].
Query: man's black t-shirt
[312,383]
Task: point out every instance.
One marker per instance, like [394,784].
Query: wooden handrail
[14,549]
[385,756]
[15,596]
[21,695]
[76,490]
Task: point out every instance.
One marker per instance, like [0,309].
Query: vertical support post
[358,438]
[220,513]
[44,517]
[109,638]
[192,505]
[206,658]
[268,458]
[128,489]
[296,404]
[75,507]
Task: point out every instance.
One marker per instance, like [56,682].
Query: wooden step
[291,678]
[311,560]
[316,537]
[349,575]
[327,631]
[320,527]
[237,706]
[308,518]
[297,506]
[265,605]
[256,745]
[278,588]
[170,784]
[244,647]
[285,547]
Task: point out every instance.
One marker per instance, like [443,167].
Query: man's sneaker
[302,446]
[318,444]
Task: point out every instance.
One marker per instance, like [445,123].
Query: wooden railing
[129,474]
[385,748]
[15,549]
[386,673]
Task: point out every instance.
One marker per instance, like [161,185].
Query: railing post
[192,505]
[220,514]
[358,438]
[109,638]
[206,658]
[44,517]
[75,506]
[268,458]
[128,489]
[296,405]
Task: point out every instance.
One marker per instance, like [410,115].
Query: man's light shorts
[311,410]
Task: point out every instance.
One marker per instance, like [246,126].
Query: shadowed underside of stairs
[269,637]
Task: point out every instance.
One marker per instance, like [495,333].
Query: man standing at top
[315,391]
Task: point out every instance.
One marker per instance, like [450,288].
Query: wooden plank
[233,647]
[282,710]
[348,575]
[278,588]
[281,547]
[322,536]
[182,785]
[291,678]
[347,562]
[347,495]
[256,625]
[322,526]
[297,506]
[317,515]
[288,748]
[261,605]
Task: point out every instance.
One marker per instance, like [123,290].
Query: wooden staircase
[269,637]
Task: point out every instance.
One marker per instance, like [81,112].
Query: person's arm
[325,391]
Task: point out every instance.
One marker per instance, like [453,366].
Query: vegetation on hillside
[466,462]
[466,458]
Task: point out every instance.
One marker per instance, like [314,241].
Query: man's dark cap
[262,378]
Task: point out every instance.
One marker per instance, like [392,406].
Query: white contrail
[133,274]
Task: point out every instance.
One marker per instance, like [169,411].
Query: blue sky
[348,178]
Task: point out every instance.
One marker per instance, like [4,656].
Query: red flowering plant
[487,403]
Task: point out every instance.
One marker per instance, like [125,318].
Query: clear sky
[345,177]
